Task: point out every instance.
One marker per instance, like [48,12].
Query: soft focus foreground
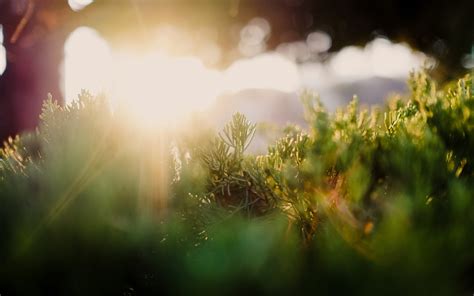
[366,201]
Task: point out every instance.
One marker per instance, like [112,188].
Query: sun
[154,88]
[162,90]
[157,89]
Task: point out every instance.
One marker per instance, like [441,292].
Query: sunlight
[356,62]
[157,89]
[87,63]
[77,5]
[3,53]
[266,71]
[154,88]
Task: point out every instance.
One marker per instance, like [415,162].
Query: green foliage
[233,181]
[363,202]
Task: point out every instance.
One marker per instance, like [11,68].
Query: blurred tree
[34,34]
[35,31]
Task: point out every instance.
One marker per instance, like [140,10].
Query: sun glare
[77,5]
[87,63]
[155,88]
[158,89]
[3,53]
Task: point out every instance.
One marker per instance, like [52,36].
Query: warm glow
[379,58]
[267,71]
[77,5]
[158,89]
[3,53]
[87,63]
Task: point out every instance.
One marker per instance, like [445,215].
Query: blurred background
[167,58]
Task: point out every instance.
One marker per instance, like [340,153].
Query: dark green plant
[364,202]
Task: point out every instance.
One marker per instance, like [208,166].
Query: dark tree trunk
[33,64]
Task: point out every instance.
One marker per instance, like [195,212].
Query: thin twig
[23,22]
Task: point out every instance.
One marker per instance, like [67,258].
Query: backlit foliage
[363,201]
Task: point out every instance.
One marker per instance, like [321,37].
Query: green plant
[362,198]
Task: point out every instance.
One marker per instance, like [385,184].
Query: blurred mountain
[370,91]
[280,108]
[259,105]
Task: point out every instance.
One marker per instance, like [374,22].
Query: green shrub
[363,202]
